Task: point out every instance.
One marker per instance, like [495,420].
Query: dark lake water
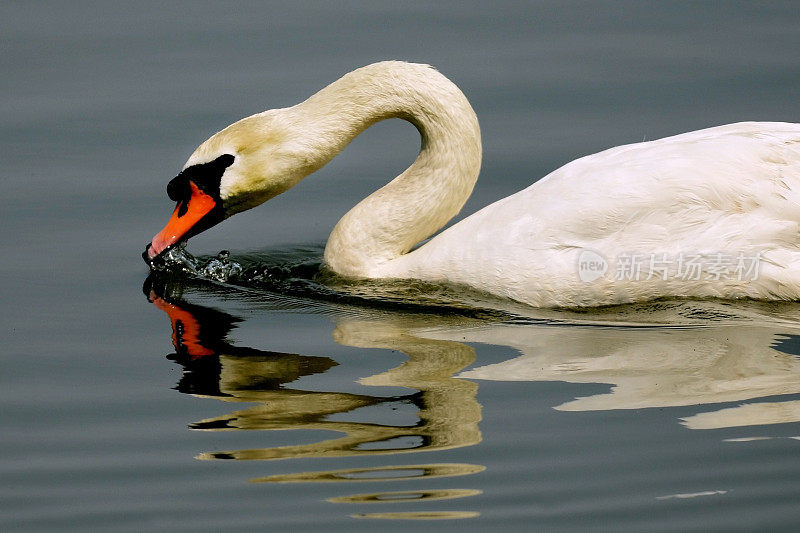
[173,403]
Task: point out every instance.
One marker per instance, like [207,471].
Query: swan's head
[240,167]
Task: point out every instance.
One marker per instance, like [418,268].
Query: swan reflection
[750,414]
[726,360]
[404,496]
[741,356]
[448,413]
[656,367]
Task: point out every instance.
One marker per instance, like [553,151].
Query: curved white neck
[421,200]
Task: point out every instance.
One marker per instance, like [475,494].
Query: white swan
[690,211]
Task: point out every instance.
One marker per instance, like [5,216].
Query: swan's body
[731,191]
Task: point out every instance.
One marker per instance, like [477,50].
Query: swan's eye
[206,176]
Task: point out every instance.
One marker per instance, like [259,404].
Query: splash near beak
[193,215]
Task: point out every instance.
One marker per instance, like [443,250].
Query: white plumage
[726,192]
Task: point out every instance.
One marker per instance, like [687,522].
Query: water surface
[291,399]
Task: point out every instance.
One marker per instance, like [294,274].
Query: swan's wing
[732,189]
[710,185]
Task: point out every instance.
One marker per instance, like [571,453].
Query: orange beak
[199,212]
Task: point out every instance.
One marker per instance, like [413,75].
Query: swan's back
[732,190]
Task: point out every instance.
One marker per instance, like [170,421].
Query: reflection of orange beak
[185,329]
[185,222]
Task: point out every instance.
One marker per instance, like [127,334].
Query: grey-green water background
[674,429]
